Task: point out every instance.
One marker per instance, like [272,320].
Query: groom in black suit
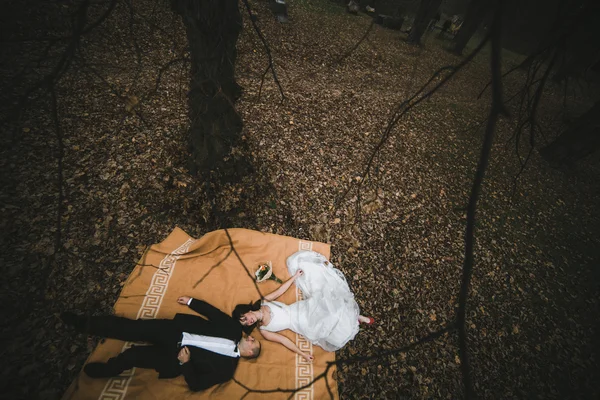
[205,350]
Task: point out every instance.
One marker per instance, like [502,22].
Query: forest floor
[79,208]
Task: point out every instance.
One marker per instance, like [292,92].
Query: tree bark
[425,13]
[212,28]
[476,13]
[578,141]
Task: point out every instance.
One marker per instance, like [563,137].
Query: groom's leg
[161,331]
[152,357]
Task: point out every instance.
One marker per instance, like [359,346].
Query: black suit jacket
[206,368]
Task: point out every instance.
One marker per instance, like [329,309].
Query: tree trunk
[476,13]
[212,29]
[578,141]
[425,13]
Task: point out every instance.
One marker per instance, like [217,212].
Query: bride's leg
[365,320]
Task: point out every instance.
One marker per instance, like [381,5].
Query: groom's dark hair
[242,309]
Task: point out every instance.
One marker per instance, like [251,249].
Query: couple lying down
[327,317]
[206,351]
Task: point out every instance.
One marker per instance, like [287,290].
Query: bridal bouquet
[265,272]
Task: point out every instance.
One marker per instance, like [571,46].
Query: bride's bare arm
[283,288]
[276,337]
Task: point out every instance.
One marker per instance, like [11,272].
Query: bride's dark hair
[242,309]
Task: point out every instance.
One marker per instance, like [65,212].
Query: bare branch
[405,106]
[161,71]
[267,50]
[354,360]
[213,267]
[378,354]
[242,262]
[364,36]
[496,110]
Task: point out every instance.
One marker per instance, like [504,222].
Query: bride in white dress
[328,316]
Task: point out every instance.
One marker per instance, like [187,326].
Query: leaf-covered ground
[79,207]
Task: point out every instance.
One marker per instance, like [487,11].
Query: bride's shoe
[369,320]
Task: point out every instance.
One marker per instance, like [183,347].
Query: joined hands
[184,355]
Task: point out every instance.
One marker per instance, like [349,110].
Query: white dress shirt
[217,345]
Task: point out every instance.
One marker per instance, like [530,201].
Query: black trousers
[161,355]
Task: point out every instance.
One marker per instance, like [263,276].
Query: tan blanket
[209,269]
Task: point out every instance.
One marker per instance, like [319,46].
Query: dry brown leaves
[398,240]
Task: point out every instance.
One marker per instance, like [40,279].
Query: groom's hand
[184,300]
[184,355]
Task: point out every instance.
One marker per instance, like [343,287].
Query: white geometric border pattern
[304,369]
[116,387]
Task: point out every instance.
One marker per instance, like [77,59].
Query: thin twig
[561,31]
[406,106]
[212,268]
[364,36]
[532,122]
[161,71]
[267,50]
[378,354]
[355,360]
[61,66]
[242,262]
[136,47]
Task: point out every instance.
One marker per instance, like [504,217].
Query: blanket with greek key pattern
[219,268]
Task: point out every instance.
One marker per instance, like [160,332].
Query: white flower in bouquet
[265,272]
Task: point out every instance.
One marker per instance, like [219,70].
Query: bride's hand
[299,273]
[308,357]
